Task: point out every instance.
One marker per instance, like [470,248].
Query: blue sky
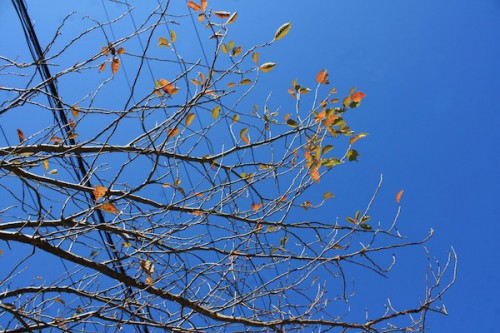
[431,72]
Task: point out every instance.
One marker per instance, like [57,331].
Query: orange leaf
[120,50]
[73,136]
[193,6]
[56,139]
[20,134]
[115,64]
[201,17]
[189,119]
[222,14]
[322,77]
[99,192]
[236,51]
[204,4]
[105,50]
[108,208]
[357,137]
[256,206]
[72,123]
[358,96]
[168,87]
[255,57]
[102,67]
[399,195]
[315,174]
[172,132]
[75,111]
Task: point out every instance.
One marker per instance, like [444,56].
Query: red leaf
[20,134]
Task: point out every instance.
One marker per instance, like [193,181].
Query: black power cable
[60,118]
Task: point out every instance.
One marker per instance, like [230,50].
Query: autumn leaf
[245,81]
[399,195]
[222,14]
[204,4]
[193,6]
[150,280]
[115,64]
[46,164]
[352,155]
[357,137]
[56,139]
[163,42]
[102,67]
[20,134]
[168,87]
[358,96]
[328,195]
[105,50]
[173,36]
[236,51]
[282,31]
[99,192]
[223,48]
[244,137]
[172,132]
[108,208]
[215,112]
[256,206]
[75,110]
[120,50]
[189,119]
[315,174]
[268,66]
[147,266]
[232,18]
[73,136]
[255,57]
[322,77]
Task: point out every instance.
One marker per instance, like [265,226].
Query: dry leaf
[20,134]
[256,206]
[398,196]
[147,266]
[115,64]
[99,192]
[322,77]
[193,6]
[108,208]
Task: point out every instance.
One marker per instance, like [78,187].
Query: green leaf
[330,162]
[283,241]
[326,149]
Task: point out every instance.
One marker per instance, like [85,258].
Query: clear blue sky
[431,72]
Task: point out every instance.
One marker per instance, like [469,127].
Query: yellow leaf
[223,47]
[230,45]
[353,89]
[215,112]
[172,132]
[108,208]
[243,136]
[163,42]
[399,195]
[75,111]
[173,36]
[328,195]
[73,136]
[347,101]
[268,66]
[115,64]
[282,31]
[193,6]
[222,14]
[46,164]
[245,81]
[236,118]
[232,18]
[189,119]
[231,84]
[255,57]
[99,192]
[53,172]
[357,137]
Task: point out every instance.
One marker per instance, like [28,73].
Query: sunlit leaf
[58,300]
[75,110]
[236,118]
[347,101]
[223,48]
[245,81]
[150,280]
[358,96]
[201,17]
[256,206]
[147,266]
[56,139]
[171,132]
[108,208]
[314,173]
[255,57]
[399,195]
[193,6]
[168,87]
[46,164]
[268,66]
[322,77]
[230,45]
[196,82]
[304,90]
[127,244]
[283,241]
[243,136]
[215,112]
[72,123]
[330,162]
[282,31]
[99,192]
[120,50]
[204,4]
[236,51]
[173,36]
[292,123]
[222,14]
[357,137]
[232,18]
[53,172]
[102,67]
[231,84]
[328,195]
[163,42]
[20,135]
[365,226]
[189,119]
[115,64]
[105,50]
